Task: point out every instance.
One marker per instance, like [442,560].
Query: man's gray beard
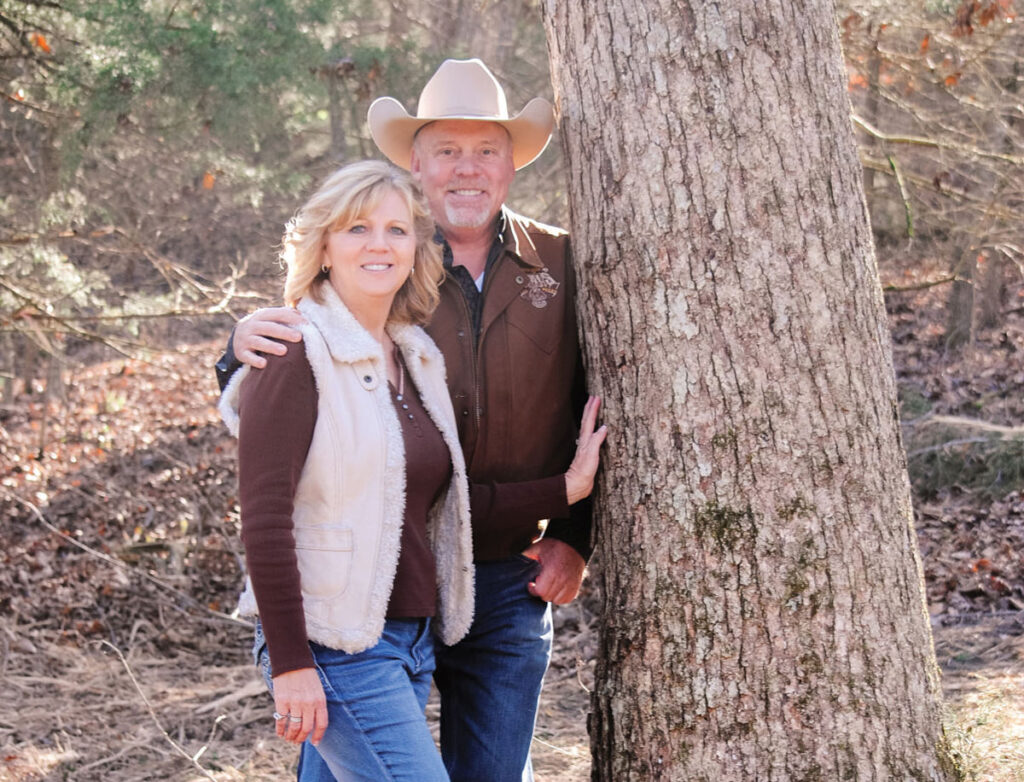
[466,218]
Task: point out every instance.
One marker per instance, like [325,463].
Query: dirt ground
[119,659]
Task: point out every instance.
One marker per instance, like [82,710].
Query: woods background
[150,154]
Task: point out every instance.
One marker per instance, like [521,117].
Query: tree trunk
[763,614]
[336,109]
[960,305]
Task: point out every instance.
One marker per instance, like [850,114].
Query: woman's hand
[579,478]
[300,706]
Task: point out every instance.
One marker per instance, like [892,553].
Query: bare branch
[156,720]
[920,141]
[920,286]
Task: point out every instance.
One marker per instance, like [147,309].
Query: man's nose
[466,164]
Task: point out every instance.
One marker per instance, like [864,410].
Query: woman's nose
[376,241]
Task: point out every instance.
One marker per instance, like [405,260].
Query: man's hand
[561,571]
[579,479]
[256,333]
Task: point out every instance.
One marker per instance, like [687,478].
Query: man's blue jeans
[376,728]
[490,681]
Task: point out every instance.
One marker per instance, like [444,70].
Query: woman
[355,504]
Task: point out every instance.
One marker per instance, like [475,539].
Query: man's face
[464,168]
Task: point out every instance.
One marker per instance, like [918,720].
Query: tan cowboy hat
[461,89]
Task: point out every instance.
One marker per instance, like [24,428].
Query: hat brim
[393,130]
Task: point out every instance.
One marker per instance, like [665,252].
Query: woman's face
[372,257]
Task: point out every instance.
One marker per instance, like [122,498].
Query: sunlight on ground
[34,763]
[986,721]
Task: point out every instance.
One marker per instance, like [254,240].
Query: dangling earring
[325,268]
[412,271]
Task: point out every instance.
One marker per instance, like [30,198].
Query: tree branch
[156,720]
[921,141]
[920,286]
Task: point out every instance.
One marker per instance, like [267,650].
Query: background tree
[763,612]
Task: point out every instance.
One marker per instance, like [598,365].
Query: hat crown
[460,90]
[463,88]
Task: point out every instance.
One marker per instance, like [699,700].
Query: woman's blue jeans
[490,682]
[376,728]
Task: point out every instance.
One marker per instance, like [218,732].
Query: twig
[249,690]
[947,444]
[920,141]
[977,425]
[108,759]
[69,318]
[920,286]
[904,195]
[156,720]
[209,741]
[573,753]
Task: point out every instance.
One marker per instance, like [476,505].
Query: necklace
[400,396]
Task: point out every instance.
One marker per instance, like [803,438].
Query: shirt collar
[500,228]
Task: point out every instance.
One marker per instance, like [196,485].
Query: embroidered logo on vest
[539,288]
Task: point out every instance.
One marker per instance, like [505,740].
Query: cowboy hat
[461,89]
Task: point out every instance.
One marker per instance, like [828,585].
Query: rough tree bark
[763,613]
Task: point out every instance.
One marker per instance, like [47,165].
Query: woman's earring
[325,268]
[412,270]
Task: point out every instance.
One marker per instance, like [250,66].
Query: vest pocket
[324,556]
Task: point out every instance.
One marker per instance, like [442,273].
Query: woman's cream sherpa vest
[350,499]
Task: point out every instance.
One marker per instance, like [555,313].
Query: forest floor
[119,659]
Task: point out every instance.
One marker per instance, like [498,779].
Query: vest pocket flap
[323,538]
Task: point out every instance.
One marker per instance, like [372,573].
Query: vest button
[367,378]
[519,279]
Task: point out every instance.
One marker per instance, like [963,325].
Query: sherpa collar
[347,340]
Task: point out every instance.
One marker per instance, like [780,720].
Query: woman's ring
[293,718]
[278,716]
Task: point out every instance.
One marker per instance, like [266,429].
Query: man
[506,324]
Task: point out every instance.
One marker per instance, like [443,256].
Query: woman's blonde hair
[346,195]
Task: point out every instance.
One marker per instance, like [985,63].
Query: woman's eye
[357,229]
[398,230]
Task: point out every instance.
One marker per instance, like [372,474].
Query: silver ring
[293,718]
[278,716]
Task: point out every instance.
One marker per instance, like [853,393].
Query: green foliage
[971,456]
[224,73]
[913,404]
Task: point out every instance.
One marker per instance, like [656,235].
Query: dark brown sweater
[278,411]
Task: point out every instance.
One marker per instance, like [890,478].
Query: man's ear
[414,164]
